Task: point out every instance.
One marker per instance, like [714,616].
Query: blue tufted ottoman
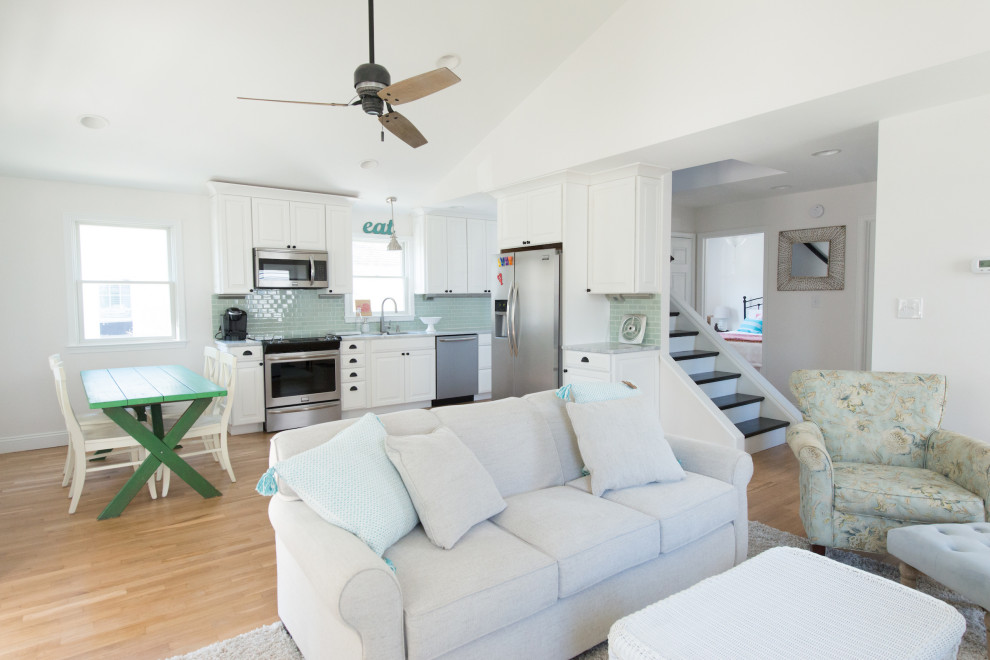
[955,554]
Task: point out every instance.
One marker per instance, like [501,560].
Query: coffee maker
[234,324]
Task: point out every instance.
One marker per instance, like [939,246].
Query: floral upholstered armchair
[873,457]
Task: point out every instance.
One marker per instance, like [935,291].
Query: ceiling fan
[376,92]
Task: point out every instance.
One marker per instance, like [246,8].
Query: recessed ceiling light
[369,164]
[827,152]
[783,187]
[95,122]
[451,61]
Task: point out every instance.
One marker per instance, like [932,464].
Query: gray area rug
[272,643]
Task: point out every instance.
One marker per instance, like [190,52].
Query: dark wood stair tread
[713,376]
[736,400]
[692,355]
[683,333]
[759,425]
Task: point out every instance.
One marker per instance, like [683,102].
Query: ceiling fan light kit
[377,94]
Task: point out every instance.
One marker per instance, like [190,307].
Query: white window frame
[350,317]
[76,336]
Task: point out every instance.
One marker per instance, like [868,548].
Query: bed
[749,344]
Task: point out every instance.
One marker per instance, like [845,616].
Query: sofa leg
[818,549]
[909,575]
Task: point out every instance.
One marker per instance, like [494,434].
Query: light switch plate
[910,308]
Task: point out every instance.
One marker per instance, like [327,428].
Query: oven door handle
[295,409]
[305,355]
[312,270]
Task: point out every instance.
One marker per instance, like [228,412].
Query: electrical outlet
[910,308]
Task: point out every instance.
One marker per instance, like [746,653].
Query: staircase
[740,392]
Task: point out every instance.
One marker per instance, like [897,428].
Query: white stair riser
[742,413]
[697,365]
[765,441]
[682,344]
[673,323]
[720,388]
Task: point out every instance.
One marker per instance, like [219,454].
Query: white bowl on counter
[430,322]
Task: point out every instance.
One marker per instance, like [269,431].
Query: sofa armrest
[727,464]
[359,598]
[964,460]
[817,486]
[808,444]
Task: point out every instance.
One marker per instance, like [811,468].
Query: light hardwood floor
[173,575]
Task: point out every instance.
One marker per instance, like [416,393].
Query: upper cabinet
[247,217]
[451,255]
[482,247]
[528,218]
[624,220]
[284,224]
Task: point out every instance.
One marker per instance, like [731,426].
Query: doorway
[732,269]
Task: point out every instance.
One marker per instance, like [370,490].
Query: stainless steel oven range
[302,382]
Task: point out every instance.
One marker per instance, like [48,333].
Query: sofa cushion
[554,410]
[592,539]
[686,509]
[622,443]
[489,580]
[450,489]
[512,441]
[903,493]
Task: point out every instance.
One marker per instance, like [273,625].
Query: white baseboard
[33,441]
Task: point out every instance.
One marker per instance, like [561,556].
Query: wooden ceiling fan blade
[248,98]
[419,86]
[403,129]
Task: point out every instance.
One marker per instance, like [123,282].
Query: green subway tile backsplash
[649,306]
[291,313]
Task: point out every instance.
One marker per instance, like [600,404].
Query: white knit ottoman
[788,603]
[955,554]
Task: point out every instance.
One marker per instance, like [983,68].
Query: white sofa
[543,579]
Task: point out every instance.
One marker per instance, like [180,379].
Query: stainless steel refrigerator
[526,323]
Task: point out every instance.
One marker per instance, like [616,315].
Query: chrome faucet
[383,327]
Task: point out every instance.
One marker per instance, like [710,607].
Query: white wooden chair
[211,362]
[210,429]
[90,439]
[87,419]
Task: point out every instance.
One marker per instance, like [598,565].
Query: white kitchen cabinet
[402,370]
[340,249]
[531,218]
[444,255]
[353,375]
[491,255]
[642,368]
[280,223]
[484,363]
[247,412]
[624,217]
[481,248]
[233,268]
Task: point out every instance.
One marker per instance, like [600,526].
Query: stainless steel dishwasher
[457,368]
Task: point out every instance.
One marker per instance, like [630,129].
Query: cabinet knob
[353,388]
[565,371]
[589,290]
[329,290]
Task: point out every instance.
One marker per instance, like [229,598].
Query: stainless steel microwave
[279,268]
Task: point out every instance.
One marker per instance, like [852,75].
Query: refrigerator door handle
[511,319]
[515,318]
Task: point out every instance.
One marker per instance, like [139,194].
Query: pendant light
[393,244]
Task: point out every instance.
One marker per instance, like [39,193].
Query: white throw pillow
[622,444]
[449,487]
[349,481]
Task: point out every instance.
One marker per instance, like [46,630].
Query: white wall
[732,272]
[682,219]
[804,329]
[932,219]
[33,266]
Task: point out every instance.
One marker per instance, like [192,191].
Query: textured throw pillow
[450,488]
[587,392]
[622,444]
[349,481]
[752,326]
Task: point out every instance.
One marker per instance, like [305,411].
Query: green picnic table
[116,390]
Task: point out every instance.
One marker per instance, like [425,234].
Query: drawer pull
[353,347]
[584,359]
[353,361]
[353,374]
[353,388]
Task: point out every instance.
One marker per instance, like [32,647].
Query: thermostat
[981,265]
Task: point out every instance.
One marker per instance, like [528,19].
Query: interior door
[682,268]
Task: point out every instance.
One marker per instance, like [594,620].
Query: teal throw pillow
[350,482]
[751,326]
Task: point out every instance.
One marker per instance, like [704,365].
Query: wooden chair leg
[818,549]
[909,575]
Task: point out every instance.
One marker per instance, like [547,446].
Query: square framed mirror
[812,259]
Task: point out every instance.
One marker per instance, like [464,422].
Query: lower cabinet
[249,393]
[403,371]
[642,368]
[484,363]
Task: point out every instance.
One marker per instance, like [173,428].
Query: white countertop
[611,347]
[235,343]
[414,333]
